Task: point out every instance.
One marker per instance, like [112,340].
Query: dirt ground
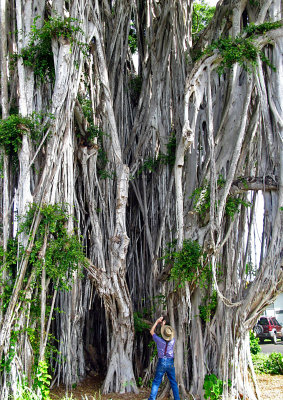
[271,387]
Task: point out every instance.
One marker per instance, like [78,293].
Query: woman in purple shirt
[165,350]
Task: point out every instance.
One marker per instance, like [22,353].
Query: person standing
[165,350]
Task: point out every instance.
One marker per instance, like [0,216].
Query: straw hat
[167,332]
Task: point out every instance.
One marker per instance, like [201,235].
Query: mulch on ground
[90,388]
[271,387]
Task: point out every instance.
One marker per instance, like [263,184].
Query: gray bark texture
[148,147]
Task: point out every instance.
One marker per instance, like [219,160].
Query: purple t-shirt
[161,344]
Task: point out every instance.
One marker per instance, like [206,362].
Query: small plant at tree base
[213,387]
[254,344]
[139,381]
[24,392]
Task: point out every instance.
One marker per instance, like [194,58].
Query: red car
[268,328]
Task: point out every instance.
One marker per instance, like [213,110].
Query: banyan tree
[136,153]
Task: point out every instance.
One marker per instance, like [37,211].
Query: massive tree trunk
[142,150]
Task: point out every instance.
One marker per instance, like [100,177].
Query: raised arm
[158,321]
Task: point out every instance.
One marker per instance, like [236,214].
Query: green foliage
[24,392]
[268,363]
[157,302]
[6,361]
[42,380]
[13,128]
[94,132]
[255,30]
[139,381]
[187,264]
[201,200]
[233,205]
[250,269]
[170,157]
[239,50]
[135,86]
[132,39]
[151,344]
[213,387]
[64,252]
[254,2]
[11,257]
[274,364]
[202,14]
[151,164]
[208,307]
[242,49]
[38,53]
[139,323]
[254,344]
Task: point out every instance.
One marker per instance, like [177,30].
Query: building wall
[276,309]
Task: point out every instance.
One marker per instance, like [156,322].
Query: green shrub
[274,364]
[268,363]
[152,163]
[254,344]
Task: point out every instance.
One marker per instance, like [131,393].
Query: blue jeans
[164,365]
